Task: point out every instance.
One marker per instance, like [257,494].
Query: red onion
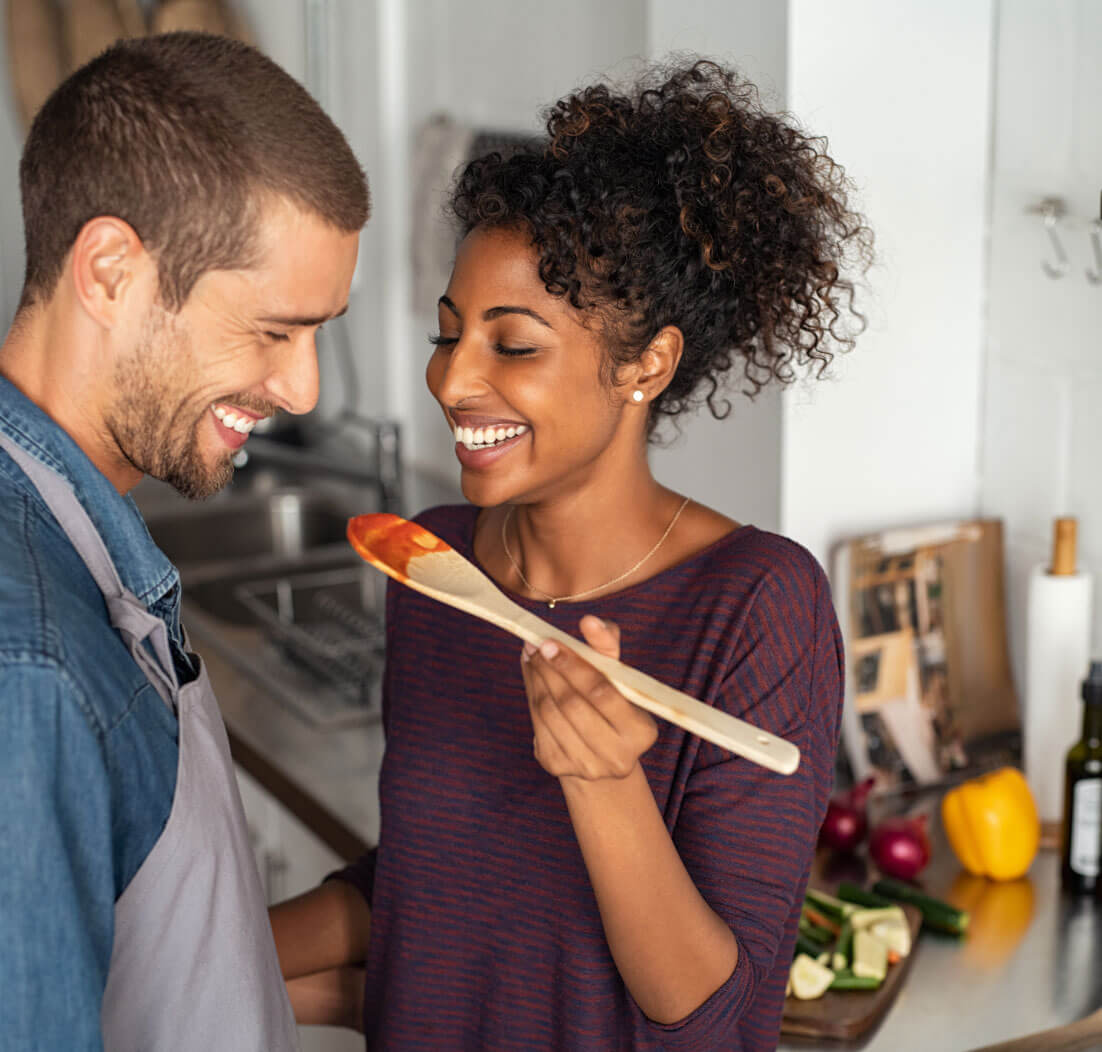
[845,823]
[900,847]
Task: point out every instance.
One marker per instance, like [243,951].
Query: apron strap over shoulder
[127,613]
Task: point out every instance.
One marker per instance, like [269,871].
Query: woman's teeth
[485,437]
[241,424]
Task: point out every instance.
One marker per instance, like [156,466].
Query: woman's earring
[637,396]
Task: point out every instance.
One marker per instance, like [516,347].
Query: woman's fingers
[602,636]
[592,724]
[558,746]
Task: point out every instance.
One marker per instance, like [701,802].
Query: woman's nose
[455,374]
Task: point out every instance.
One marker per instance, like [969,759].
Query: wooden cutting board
[847,1014]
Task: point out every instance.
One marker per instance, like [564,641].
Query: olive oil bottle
[1082,834]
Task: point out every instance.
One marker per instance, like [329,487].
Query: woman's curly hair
[685,203]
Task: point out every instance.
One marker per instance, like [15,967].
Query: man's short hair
[183,136]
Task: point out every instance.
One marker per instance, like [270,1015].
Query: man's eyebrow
[292,320]
[497,312]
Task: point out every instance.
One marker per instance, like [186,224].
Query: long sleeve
[745,834]
[57,885]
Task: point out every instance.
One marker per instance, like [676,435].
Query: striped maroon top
[485,932]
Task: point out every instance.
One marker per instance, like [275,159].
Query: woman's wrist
[603,791]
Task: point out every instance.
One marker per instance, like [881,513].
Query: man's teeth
[484,437]
[242,424]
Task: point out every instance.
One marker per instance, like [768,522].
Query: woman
[556,870]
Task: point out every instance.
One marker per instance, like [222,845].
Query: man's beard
[157,436]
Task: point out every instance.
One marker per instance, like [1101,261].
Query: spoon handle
[675,706]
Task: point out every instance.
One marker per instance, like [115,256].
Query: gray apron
[193,964]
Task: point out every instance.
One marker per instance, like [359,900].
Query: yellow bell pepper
[992,824]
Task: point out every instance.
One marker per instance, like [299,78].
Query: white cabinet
[291,860]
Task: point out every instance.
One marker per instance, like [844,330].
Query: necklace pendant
[551,604]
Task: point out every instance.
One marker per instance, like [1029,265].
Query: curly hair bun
[683,202]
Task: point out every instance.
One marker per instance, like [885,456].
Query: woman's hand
[585,728]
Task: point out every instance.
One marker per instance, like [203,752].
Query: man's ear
[655,368]
[110,266]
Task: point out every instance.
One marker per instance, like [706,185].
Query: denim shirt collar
[142,566]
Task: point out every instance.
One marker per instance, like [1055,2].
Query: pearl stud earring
[637,396]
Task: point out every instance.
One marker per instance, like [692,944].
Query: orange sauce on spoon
[391,542]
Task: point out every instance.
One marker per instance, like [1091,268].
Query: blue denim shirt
[88,749]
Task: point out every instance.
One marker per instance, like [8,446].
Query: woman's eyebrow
[497,312]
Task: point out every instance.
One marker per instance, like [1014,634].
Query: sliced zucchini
[809,978]
[870,955]
[866,918]
[896,935]
[846,980]
[935,913]
[832,907]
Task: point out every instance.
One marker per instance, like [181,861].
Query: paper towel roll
[1058,629]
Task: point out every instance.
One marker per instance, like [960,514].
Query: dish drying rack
[329,626]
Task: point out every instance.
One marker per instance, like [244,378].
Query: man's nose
[293,382]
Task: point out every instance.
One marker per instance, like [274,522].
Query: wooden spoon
[411,554]
[1082,1035]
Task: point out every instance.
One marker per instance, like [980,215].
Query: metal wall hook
[1052,209]
[1094,275]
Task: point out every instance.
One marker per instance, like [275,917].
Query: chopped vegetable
[843,948]
[813,932]
[867,917]
[820,920]
[851,893]
[846,980]
[896,935]
[935,913]
[809,978]
[870,955]
[828,905]
[806,945]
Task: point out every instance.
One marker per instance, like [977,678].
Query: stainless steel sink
[285,526]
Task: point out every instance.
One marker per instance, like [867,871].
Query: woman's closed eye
[505,350]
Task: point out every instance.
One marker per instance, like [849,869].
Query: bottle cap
[1092,685]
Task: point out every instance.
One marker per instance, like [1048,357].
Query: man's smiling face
[241,347]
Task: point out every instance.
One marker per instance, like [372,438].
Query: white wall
[902,92]
[1042,437]
[734,465]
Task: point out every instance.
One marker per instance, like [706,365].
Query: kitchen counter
[1031,960]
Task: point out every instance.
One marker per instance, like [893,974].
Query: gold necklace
[553,599]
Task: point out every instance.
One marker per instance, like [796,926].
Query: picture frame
[930,696]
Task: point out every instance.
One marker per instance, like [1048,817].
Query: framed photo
[929,692]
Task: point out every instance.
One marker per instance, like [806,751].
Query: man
[192,217]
